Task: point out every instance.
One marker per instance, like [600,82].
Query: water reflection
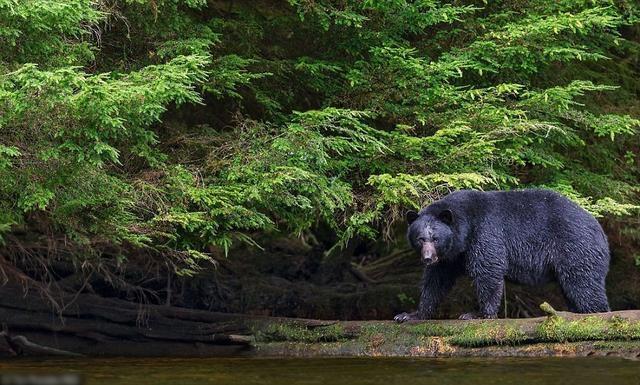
[339,371]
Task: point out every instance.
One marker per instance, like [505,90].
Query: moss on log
[94,326]
[560,333]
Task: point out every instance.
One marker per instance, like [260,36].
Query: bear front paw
[403,317]
[470,316]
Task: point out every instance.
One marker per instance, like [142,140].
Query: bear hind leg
[584,294]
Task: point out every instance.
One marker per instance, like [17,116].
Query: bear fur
[524,236]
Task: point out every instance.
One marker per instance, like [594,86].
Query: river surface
[333,371]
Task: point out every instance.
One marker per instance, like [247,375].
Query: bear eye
[435,240]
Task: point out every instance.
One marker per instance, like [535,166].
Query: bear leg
[582,276]
[437,282]
[584,293]
[489,292]
[487,266]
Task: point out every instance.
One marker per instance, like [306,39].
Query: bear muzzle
[428,253]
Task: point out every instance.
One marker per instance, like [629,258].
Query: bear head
[431,235]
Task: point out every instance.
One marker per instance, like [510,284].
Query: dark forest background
[259,156]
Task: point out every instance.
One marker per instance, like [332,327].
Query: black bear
[525,236]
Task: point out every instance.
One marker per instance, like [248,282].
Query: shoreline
[92,326]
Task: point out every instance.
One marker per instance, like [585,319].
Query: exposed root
[21,346]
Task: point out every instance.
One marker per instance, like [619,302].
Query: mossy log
[85,324]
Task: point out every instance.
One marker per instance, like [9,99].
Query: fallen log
[86,324]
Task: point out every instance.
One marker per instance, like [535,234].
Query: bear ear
[411,216]
[446,216]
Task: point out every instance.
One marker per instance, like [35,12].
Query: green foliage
[177,128]
[57,31]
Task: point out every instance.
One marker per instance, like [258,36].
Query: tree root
[21,346]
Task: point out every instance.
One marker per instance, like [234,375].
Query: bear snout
[428,253]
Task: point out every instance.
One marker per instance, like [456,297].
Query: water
[338,371]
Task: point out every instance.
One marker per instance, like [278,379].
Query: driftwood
[86,324]
[91,325]
[20,345]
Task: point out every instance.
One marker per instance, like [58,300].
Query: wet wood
[92,325]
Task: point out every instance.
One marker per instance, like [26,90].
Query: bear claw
[467,316]
[404,317]
[470,316]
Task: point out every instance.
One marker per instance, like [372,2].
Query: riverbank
[88,325]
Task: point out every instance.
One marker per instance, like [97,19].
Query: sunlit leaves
[185,126]
[57,30]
